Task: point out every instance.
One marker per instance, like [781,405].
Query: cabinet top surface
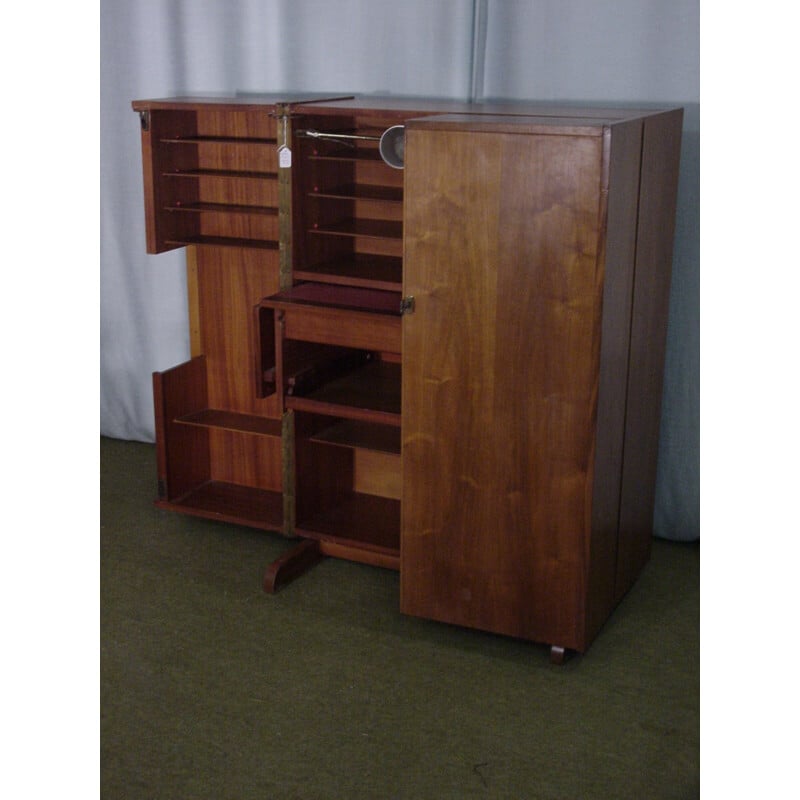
[547,113]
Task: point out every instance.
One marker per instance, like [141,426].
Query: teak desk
[453,369]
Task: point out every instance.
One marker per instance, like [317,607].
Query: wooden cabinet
[452,369]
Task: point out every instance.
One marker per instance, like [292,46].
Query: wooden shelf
[369,394]
[225,208]
[219,173]
[218,140]
[223,241]
[228,502]
[365,435]
[367,228]
[233,421]
[368,271]
[352,191]
[360,520]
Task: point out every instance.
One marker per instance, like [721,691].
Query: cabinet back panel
[246,459]
[499,386]
[240,226]
[377,473]
[239,191]
[230,284]
[244,124]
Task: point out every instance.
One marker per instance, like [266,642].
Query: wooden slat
[232,421]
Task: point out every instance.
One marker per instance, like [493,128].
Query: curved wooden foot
[558,655]
[291,565]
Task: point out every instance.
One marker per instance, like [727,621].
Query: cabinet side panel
[622,147]
[654,246]
[499,382]
[160,125]
[183,451]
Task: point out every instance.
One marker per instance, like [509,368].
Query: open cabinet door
[500,357]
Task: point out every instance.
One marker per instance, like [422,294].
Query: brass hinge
[407,305]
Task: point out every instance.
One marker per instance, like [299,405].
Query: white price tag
[284,157]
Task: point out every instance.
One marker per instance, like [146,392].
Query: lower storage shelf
[358,523]
[229,502]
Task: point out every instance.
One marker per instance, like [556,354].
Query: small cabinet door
[499,389]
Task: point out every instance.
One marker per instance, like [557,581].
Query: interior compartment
[212,462]
[214,179]
[347,496]
[348,205]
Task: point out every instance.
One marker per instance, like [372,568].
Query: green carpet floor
[212,689]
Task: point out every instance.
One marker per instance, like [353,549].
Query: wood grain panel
[246,459]
[231,283]
[344,328]
[654,246]
[619,208]
[499,383]
[259,124]
[182,451]
[377,473]
[159,192]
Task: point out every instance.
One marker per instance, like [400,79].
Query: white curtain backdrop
[598,51]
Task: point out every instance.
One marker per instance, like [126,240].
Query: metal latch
[407,305]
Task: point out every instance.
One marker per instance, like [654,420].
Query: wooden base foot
[291,565]
[558,655]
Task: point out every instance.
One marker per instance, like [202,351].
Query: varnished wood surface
[246,459]
[330,325]
[223,502]
[499,385]
[654,246]
[259,102]
[618,213]
[158,192]
[232,421]
[184,459]
[537,247]
[357,520]
[231,283]
[293,563]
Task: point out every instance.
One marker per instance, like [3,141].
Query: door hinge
[144,120]
[407,305]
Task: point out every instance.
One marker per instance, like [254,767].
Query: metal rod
[323,135]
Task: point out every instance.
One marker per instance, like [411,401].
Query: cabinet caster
[558,655]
